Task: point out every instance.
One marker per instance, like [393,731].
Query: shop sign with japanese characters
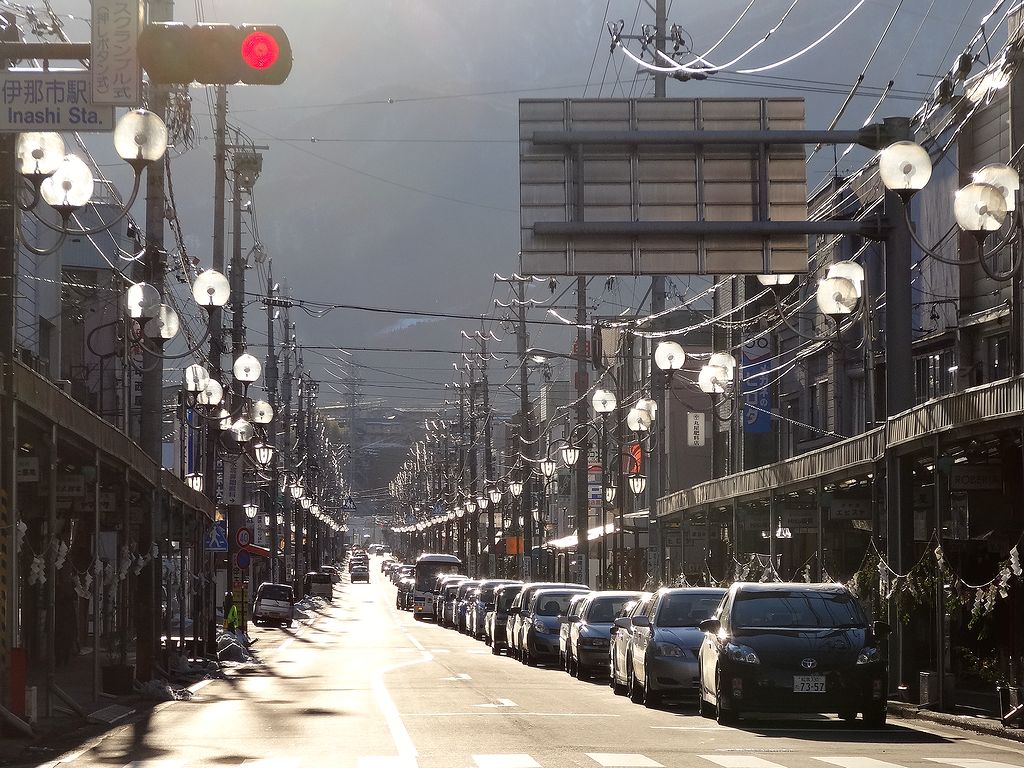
[114,66]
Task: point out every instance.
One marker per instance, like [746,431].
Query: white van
[274,603]
[318,585]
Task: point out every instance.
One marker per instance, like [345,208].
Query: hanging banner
[696,429]
[233,491]
[757,385]
[114,65]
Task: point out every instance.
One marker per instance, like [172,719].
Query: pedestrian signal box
[215,54]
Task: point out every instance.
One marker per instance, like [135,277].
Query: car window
[641,607]
[797,608]
[552,604]
[276,592]
[627,609]
[517,601]
[603,610]
[576,607]
[686,610]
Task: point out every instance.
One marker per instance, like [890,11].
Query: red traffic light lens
[260,50]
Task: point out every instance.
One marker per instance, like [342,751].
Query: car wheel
[618,688]
[495,649]
[636,694]
[531,660]
[651,699]
[875,717]
[722,715]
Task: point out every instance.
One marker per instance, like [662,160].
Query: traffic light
[253,54]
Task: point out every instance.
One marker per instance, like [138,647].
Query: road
[366,686]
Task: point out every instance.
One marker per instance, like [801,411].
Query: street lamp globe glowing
[515,487]
[470,506]
[246,368]
[904,166]
[770,281]
[850,270]
[195,378]
[225,419]
[211,394]
[143,301]
[713,379]
[251,509]
[38,153]
[547,467]
[1002,177]
[211,289]
[979,208]
[262,412]
[70,186]
[195,481]
[638,420]
[315,509]
[609,493]
[305,502]
[295,489]
[603,401]
[460,512]
[570,455]
[482,501]
[669,356]
[242,431]
[264,453]
[837,296]
[166,323]
[637,484]
[723,360]
[140,138]
[495,494]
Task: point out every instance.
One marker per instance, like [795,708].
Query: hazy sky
[408,197]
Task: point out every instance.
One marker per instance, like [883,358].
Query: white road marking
[856,762]
[609,760]
[508,714]
[273,762]
[386,762]
[399,733]
[970,762]
[458,677]
[740,761]
[286,643]
[440,650]
[505,761]
[498,703]
[978,743]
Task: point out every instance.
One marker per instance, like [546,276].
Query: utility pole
[525,432]
[287,517]
[473,529]
[297,517]
[151,270]
[656,482]
[270,383]
[491,569]
[580,486]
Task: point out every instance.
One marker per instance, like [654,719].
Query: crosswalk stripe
[970,762]
[505,761]
[740,761]
[385,761]
[612,760]
[857,762]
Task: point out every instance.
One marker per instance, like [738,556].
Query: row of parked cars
[752,648]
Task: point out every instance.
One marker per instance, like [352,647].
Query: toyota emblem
[809,663]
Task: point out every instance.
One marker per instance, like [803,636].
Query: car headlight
[869,656]
[668,649]
[741,653]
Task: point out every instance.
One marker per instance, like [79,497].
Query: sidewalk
[968,721]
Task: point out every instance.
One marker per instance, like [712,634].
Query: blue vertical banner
[757,385]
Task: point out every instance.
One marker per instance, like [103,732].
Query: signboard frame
[50,100]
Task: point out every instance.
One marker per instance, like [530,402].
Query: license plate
[808,683]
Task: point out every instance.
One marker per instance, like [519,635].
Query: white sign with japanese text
[114,66]
[695,429]
[52,100]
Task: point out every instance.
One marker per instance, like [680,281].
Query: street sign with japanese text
[52,100]
[114,66]
[695,429]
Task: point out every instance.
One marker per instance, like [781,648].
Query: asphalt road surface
[366,686]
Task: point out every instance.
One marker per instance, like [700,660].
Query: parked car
[316,584]
[572,615]
[403,597]
[446,600]
[496,619]
[386,564]
[274,603]
[666,641]
[541,623]
[621,635]
[461,603]
[359,573]
[588,633]
[481,601]
[793,648]
[514,626]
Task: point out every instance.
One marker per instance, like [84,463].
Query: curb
[987,726]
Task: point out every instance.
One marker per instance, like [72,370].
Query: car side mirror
[622,622]
[641,621]
[711,626]
[881,629]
